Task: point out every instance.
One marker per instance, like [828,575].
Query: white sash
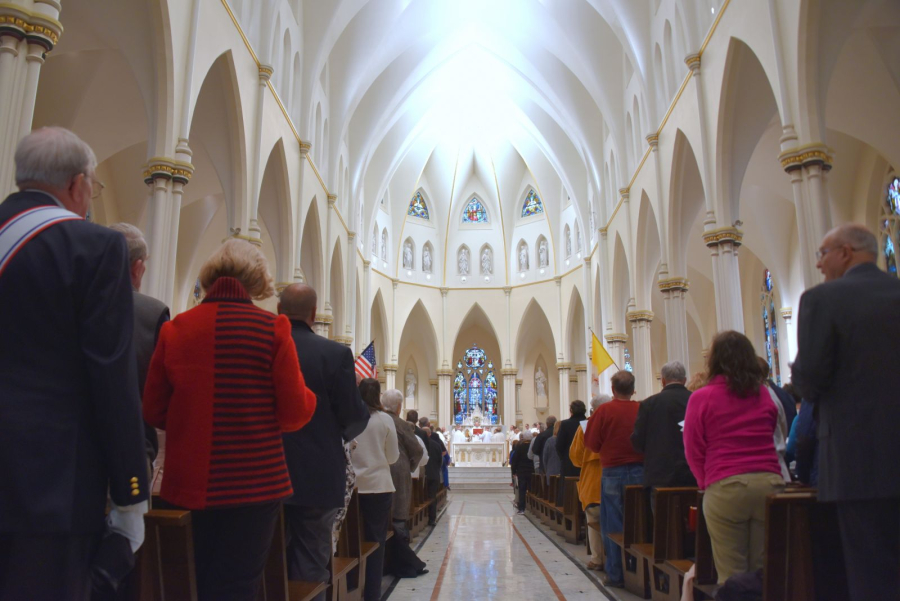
[25,226]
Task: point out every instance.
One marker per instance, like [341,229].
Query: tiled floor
[481,550]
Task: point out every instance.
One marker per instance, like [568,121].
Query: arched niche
[536,346]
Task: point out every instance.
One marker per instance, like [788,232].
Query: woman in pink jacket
[728,443]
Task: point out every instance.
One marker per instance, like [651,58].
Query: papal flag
[599,357]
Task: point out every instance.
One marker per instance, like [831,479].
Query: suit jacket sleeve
[294,402]
[407,440]
[157,388]
[813,370]
[391,446]
[351,413]
[564,439]
[107,324]
[639,436]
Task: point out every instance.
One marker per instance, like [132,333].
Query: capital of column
[624,193]
[345,340]
[390,367]
[803,156]
[723,234]
[614,338]
[351,236]
[693,63]
[324,318]
[366,263]
[432,382]
[444,373]
[255,232]
[509,371]
[580,367]
[305,147]
[786,313]
[166,168]
[280,286]
[653,140]
[563,365]
[38,29]
[603,232]
[675,284]
[444,292]
[639,315]
[332,198]
[507,290]
[298,274]
[395,282]
[265,73]
[558,280]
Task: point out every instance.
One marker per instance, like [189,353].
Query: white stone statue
[410,383]
[487,262]
[523,258]
[384,246]
[542,253]
[568,243]
[463,261]
[407,255]
[426,260]
[540,384]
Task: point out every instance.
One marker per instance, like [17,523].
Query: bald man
[315,454]
[848,332]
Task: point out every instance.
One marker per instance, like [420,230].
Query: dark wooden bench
[672,540]
[635,529]
[705,574]
[275,585]
[572,515]
[164,565]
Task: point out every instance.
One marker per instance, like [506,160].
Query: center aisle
[481,550]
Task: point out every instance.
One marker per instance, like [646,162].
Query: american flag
[365,363]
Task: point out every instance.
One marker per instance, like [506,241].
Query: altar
[480,454]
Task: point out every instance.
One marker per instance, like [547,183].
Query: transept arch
[536,347]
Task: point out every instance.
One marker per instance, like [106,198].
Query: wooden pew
[353,551]
[164,565]
[572,515]
[275,585]
[635,529]
[672,540]
[705,575]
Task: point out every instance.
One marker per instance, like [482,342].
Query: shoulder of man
[149,303]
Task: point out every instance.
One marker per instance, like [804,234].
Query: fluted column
[518,404]
[253,231]
[808,167]
[433,414]
[583,383]
[564,386]
[723,244]
[640,336]
[390,376]
[615,344]
[329,248]
[445,407]
[394,342]
[25,39]
[363,340]
[509,396]
[674,290]
[445,364]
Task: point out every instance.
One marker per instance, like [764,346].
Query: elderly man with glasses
[70,415]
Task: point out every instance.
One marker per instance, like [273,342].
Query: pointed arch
[311,261]
[532,203]
[276,211]
[576,329]
[418,206]
[476,322]
[475,211]
[621,293]
[686,201]
[418,338]
[648,251]
[379,329]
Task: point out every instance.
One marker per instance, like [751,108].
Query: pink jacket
[725,435]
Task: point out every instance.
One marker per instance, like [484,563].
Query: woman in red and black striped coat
[224,383]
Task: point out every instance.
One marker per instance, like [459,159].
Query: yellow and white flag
[599,357]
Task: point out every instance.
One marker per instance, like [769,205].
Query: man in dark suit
[432,474]
[149,316]
[70,416]
[846,365]
[315,454]
[412,416]
[658,435]
[537,447]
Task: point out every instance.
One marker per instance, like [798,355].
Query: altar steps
[480,479]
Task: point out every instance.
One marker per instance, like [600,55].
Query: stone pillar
[363,340]
[320,326]
[615,344]
[640,335]
[433,415]
[329,248]
[298,229]
[445,405]
[350,304]
[26,37]
[786,342]
[390,376]
[674,290]
[445,364]
[394,342]
[254,232]
[518,404]
[583,383]
[723,244]
[564,386]
[808,167]
[510,396]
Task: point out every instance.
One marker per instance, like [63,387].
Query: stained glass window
[532,205]
[475,212]
[628,365]
[770,326]
[475,390]
[890,226]
[417,207]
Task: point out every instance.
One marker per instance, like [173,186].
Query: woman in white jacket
[376,450]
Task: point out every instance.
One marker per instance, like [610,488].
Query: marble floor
[481,550]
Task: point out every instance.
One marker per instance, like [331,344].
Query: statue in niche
[384,246]
[487,262]
[542,254]
[540,384]
[463,261]
[523,258]
[578,240]
[426,260]
[407,255]
[410,383]
[568,243]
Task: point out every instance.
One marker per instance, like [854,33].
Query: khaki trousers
[735,514]
[592,515]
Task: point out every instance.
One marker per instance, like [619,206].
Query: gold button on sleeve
[135,492]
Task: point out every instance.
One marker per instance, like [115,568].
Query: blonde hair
[556,428]
[697,381]
[242,261]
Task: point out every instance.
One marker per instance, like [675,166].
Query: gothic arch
[379,329]
[311,245]
[647,251]
[276,211]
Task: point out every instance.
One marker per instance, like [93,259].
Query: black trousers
[431,490]
[870,533]
[46,567]
[524,482]
[375,510]
[230,550]
[309,544]
[404,561]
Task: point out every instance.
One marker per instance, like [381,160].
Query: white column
[445,364]
[786,342]
[564,386]
[518,404]
[394,341]
[390,376]
[433,415]
[329,248]
[807,167]
[253,231]
[363,340]
[583,386]
[350,304]
[298,228]
[615,344]
[445,407]
[320,326]
[510,404]
[723,244]
[674,290]
[640,335]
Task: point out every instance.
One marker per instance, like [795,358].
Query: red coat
[224,383]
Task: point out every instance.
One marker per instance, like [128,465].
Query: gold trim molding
[808,154]
[38,28]
[580,367]
[509,371]
[324,318]
[723,234]
[445,372]
[178,171]
[563,365]
[612,338]
[674,284]
[786,312]
[641,315]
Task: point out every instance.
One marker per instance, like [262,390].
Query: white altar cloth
[480,454]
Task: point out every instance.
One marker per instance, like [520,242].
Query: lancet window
[475,212]
[417,207]
[532,205]
[770,326]
[475,390]
[890,226]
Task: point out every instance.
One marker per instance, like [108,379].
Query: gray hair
[526,435]
[673,371]
[137,246]
[52,156]
[391,400]
[599,399]
[856,236]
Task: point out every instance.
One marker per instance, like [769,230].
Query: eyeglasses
[97,188]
